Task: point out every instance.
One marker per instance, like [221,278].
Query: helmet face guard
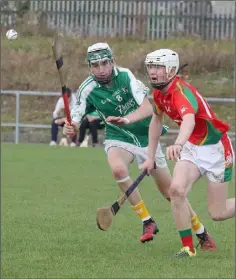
[102,71]
[158,76]
[161,67]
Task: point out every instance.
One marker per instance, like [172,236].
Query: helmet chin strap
[162,85]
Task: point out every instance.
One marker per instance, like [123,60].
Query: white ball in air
[11,34]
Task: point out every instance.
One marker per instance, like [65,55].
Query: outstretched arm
[145,110]
[139,92]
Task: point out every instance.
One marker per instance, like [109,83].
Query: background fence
[17,125]
[146,19]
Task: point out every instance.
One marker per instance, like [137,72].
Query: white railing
[19,125]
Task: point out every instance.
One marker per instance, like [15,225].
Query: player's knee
[119,172]
[176,191]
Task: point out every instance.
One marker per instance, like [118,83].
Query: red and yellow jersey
[181,99]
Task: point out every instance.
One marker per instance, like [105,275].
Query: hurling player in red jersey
[202,146]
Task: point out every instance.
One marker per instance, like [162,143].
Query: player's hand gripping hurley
[57,48]
[105,215]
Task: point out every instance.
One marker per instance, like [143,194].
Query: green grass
[49,201]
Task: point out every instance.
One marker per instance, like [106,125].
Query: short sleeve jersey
[180,99]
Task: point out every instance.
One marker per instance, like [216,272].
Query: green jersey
[124,96]
[94,113]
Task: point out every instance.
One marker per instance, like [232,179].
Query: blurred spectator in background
[92,122]
[59,118]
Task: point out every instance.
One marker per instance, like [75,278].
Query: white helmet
[164,57]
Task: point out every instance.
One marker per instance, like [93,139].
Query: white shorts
[140,153]
[215,161]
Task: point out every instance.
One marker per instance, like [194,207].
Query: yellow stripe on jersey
[188,96]
[181,90]
[205,138]
[156,109]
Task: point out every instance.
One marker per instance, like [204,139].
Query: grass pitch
[49,201]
